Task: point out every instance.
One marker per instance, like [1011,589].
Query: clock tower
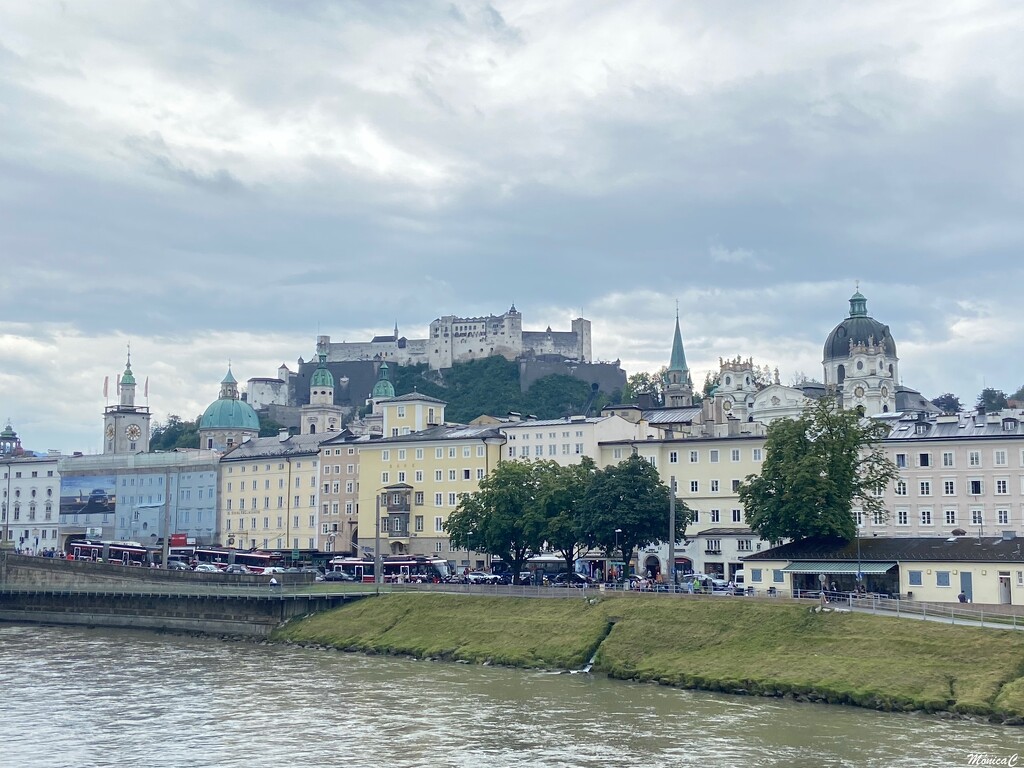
[126,425]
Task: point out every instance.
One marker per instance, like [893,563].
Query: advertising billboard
[88,495]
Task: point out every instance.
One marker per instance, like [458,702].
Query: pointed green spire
[678,361]
[128,378]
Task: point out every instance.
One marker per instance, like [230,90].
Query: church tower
[678,385]
[126,425]
[321,415]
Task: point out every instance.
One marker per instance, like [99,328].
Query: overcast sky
[215,181]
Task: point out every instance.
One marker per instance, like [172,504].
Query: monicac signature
[983,758]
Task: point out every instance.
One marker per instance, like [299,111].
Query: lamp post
[672,532]
[623,566]
[859,574]
[376,545]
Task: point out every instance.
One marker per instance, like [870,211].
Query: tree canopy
[992,400]
[642,383]
[817,468]
[174,433]
[526,507]
[948,403]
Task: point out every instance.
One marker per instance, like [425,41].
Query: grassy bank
[722,645]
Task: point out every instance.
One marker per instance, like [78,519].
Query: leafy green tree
[641,383]
[558,395]
[630,498]
[174,433]
[505,516]
[948,403]
[1018,395]
[563,498]
[269,427]
[816,469]
[992,400]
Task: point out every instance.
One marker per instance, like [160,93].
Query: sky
[224,181]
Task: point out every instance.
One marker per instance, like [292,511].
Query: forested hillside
[491,386]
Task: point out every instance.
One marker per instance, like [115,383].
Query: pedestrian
[833,587]
[962,597]
[273,582]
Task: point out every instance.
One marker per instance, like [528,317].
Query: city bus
[256,561]
[119,552]
[414,568]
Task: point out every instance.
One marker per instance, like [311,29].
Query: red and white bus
[412,568]
[117,552]
[256,561]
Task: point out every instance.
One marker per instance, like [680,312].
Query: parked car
[338,576]
[237,568]
[177,565]
[207,568]
[571,580]
[481,577]
[273,569]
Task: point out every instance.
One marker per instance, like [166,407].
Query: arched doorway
[652,567]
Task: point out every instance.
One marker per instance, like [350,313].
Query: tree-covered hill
[491,386]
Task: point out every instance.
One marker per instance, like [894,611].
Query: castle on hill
[461,339]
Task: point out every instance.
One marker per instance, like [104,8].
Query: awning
[837,567]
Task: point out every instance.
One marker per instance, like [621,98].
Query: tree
[174,433]
[1019,394]
[269,427]
[948,403]
[816,469]
[627,508]
[644,383]
[564,497]
[504,517]
[992,400]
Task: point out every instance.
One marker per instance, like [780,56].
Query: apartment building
[413,482]
[339,492]
[269,493]
[29,509]
[565,441]
[963,472]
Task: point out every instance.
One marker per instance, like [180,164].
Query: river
[87,698]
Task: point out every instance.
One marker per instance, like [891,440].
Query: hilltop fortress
[461,339]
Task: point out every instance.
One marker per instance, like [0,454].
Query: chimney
[283,434]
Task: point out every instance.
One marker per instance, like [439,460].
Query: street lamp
[623,566]
[859,574]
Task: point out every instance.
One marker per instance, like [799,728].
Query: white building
[566,440]
[30,497]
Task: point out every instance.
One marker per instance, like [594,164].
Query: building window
[737,515]
[901,460]
[926,517]
[673,457]
[694,457]
[977,517]
[715,516]
[947,459]
[1000,458]
[950,517]
[757,454]
[902,517]
[714,486]
[942,578]
[777,576]
[452,500]
[901,487]
[949,487]
[694,486]
[975,487]
[438,525]
[714,545]
[713,456]
[438,499]
[744,545]
[734,454]
[924,460]
[1003,515]
[755,575]
[1002,487]
[974,458]
[735,486]
[915,578]
[926,488]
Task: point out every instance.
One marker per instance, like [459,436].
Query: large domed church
[860,361]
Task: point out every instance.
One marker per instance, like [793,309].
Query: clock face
[110,431]
[727,405]
[133,432]
[859,391]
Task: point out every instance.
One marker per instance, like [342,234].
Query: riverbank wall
[732,646]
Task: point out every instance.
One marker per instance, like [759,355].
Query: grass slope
[728,645]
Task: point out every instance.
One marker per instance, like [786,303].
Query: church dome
[383,388]
[322,378]
[228,413]
[858,329]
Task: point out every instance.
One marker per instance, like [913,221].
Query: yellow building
[269,493]
[988,571]
[415,479]
[708,472]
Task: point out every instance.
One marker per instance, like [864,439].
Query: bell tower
[126,425]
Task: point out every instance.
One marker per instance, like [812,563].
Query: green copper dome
[383,387]
[230,414]
[228,411]
[322,377]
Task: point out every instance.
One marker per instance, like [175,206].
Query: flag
[106,387]
[117,384]
[146,389]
